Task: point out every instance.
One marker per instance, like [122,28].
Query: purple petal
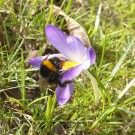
[35,62]
[69,46]
[92,55]
[90,58]
[63,94]
[57,38]
[72,73]
[77,48]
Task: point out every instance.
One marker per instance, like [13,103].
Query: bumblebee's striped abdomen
[49,70]
[49,65]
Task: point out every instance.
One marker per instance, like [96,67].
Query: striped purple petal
[35,62]
[89,58]
[63,94]
[69,46]
[72,73]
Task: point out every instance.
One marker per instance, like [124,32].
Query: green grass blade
[117,67]
[22,74]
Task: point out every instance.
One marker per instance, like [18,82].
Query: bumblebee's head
[56,62]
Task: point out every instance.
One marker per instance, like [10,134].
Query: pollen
[68,64]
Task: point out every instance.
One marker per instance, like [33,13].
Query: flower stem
[95,86]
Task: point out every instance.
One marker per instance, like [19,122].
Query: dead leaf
[1,36]
[74,27]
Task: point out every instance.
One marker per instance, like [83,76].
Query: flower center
[68,64]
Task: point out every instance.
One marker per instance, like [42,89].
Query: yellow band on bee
[68,64]
[49,65]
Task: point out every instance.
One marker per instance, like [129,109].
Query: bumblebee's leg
[65,83]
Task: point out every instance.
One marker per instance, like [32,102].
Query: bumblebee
[51,70]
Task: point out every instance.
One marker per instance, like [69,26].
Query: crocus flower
[71,49]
